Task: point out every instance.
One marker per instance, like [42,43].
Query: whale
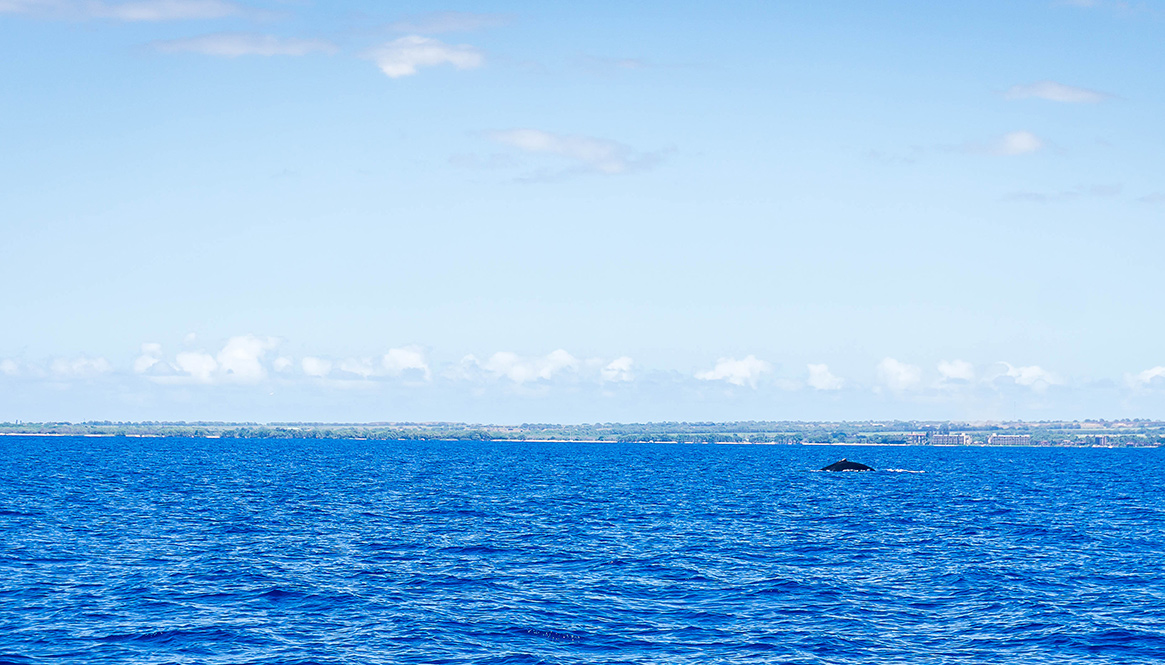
[846,465]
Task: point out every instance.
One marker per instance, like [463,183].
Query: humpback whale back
[846,465]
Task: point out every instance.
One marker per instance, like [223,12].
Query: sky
[508,212]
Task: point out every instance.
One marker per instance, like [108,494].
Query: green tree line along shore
[1122,433]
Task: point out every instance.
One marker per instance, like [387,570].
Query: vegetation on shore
[1046,433]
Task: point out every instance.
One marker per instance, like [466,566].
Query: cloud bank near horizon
[253,359]
[257,374]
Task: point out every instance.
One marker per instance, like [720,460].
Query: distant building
[917,438]
[951,439]
[1009,440]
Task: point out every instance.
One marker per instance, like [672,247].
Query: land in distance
[1103,433]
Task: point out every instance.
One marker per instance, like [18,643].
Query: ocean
[168,550]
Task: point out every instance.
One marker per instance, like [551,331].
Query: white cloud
[164,10]
[151,355]
[282,364]
[235,44]
[820,378]
[402,57]
[9,367]
[956,370]
[1155,375]
[524,370]
[316,366]
[361,367]
[241,359]
[197,365]
[1031,376]
[438,22]
[746,371]
[80,367]
[395,363]
[618,370]
[1055,92]
[399,361]
[588,153]
[898,376]
[1016,143]
[140,11]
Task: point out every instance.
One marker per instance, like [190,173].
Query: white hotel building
[1009,440]
[951,439]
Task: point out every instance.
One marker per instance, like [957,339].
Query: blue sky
[516,212]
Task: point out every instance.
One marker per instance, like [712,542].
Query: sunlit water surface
[275,551]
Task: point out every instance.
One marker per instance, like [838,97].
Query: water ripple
[218,551]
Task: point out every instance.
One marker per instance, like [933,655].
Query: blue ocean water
[117,550]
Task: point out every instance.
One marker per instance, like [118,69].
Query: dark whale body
[846,465]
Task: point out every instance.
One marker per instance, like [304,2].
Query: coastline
[1138,434]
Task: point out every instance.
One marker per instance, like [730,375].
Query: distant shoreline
[1011,434]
